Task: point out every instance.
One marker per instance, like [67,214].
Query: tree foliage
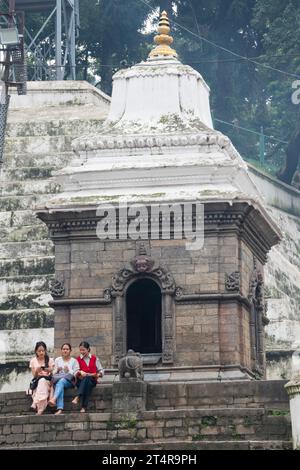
[245,94]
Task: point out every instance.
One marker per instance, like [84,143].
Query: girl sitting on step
[65,370]
[41,367]
[90,370]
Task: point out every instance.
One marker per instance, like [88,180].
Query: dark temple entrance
[143,305]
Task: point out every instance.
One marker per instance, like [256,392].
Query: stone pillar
[129,396]
[293,390]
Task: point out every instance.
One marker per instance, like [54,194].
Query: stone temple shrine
[193,312]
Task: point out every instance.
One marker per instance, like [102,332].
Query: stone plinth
[129,396]
[293,390]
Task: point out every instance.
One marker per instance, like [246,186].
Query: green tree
[244,93]
[111,36]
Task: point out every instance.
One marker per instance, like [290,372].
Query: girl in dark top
[90,370]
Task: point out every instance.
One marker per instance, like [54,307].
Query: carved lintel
[233,281]
[142,264]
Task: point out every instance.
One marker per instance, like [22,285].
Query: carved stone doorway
[143,311]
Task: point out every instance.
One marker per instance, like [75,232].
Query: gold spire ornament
[163,40]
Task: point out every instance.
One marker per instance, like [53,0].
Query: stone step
[70,127]
[21,203]
[48,159]
[20,218]
[25,284]
[29,187]
[38,144]
[158,445]
[243,395]
[12,303]
[42,317]
[35,233]
[27,267]
[14,250]
[193,426]
[270,394]
[26,174]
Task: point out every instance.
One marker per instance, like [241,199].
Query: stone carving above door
[139,266]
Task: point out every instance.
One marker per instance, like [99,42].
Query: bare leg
[75,401]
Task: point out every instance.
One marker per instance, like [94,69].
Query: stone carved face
[143,264]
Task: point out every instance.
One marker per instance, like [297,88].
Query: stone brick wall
[206,332]
[197,334]
[176,415]
[151,426]
[269,395]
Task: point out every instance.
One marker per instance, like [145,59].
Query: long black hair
[85,345]
[39,344]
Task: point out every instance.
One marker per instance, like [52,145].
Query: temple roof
[158,144]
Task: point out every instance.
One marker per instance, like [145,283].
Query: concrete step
[35,233]
[16,219]
[168,445]
[24,284]
[164,445]
[27,267]
[71,127]
[25,319]
[29,187]
[28,173]
[48,159]
[32,300]
[21,203]
[27,249]
[38,144]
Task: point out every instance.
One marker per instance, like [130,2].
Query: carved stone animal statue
[131,366]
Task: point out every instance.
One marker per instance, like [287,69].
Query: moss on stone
[27,320]
[208,421]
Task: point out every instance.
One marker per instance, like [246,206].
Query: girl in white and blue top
[67,367]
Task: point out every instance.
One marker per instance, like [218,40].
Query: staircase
[232,418]
[38,141]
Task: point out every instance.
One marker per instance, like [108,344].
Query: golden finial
[163,40]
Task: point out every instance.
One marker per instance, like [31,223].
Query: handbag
[34,382]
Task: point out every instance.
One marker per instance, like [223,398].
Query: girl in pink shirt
[41,367]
